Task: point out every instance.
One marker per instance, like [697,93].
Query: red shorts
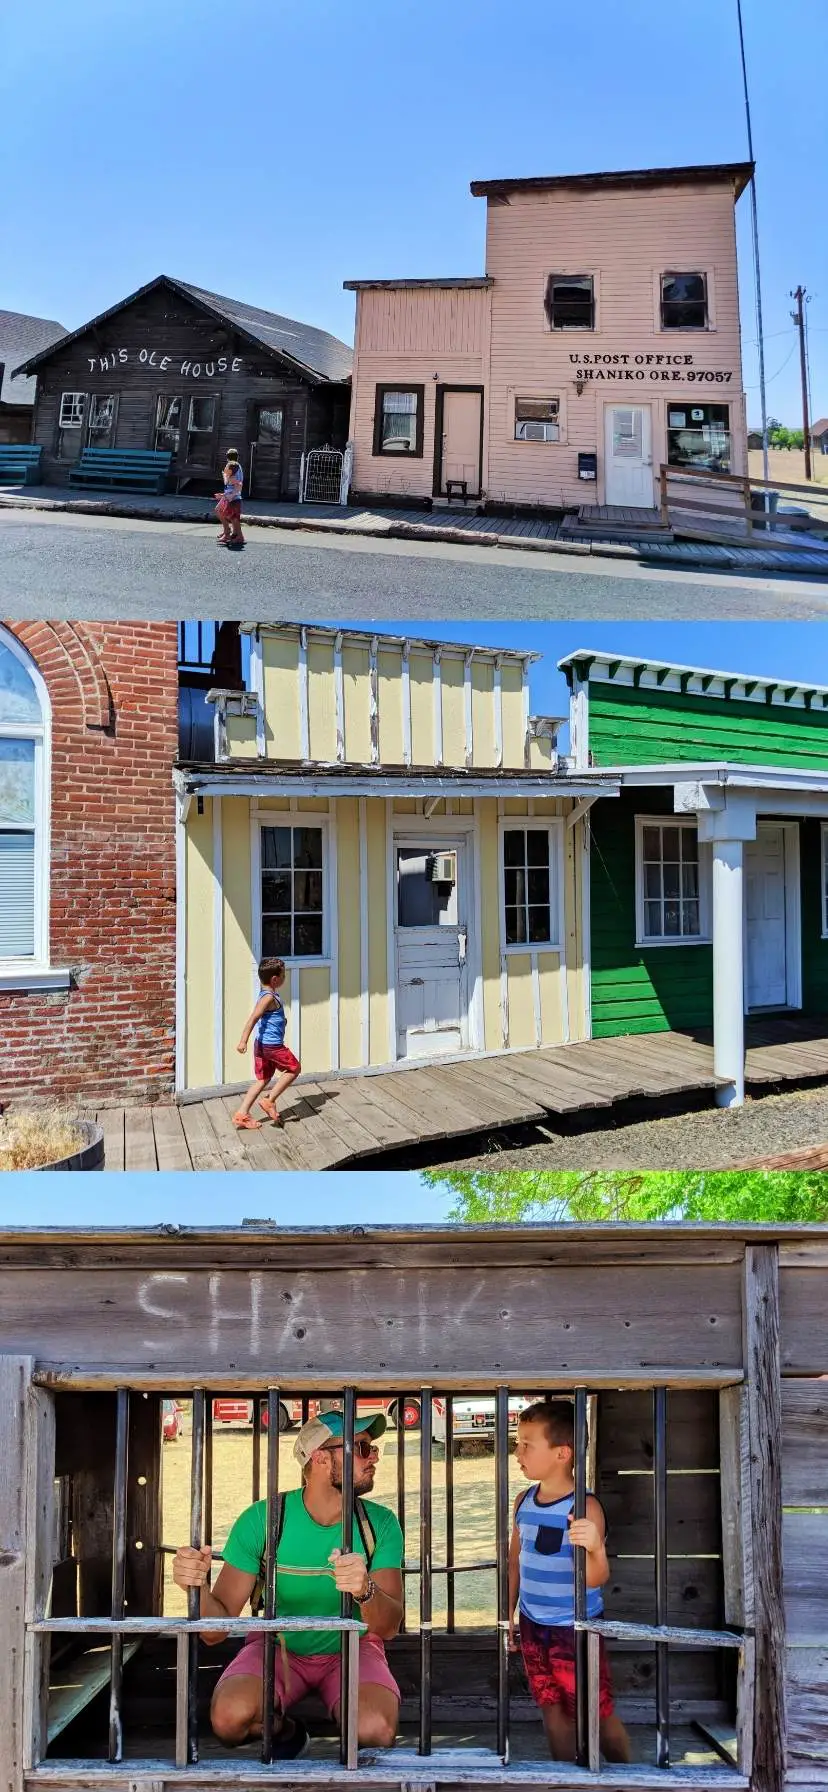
[268,1060]
[549,1658]
[313,1673]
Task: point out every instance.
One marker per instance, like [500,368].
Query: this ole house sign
[146,357]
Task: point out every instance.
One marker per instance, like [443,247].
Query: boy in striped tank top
[544,1538]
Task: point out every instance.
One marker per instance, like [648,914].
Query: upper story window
[22,873]
[398,420]
[570,302]
[684,302]
[537,420]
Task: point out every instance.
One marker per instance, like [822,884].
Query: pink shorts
[313,1673]
[268,1059]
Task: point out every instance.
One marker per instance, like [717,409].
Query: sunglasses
[362,1447]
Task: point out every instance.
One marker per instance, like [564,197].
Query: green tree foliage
[729,1197]
[780,437]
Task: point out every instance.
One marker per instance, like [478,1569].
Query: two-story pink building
[602,342]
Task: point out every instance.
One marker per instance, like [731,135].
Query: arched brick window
[24,821]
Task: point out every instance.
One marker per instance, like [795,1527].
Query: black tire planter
[89,1156]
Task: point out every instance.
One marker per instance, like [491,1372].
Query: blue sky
[271,149]
[223,1199]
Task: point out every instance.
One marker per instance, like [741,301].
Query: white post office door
[628,476]
[431,941]
[460,458]
[766,931]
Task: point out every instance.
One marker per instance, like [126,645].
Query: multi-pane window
[670,892]
[71,410]
[292,892]
[167,423]
[684,302]
[200,425]
[570,302]
[537,420]
[398,420]
[529,892]
[101,419]
[698,435]
[21,737]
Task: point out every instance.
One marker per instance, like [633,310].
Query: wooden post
[665,512]
[15,1383]
[145,1563]
[760,1333]
[737,1554]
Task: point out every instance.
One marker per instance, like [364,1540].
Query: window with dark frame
[684,302]
[698,435]
[570,302]
[292,892]
[528,887]
[102,409]
[398,420]
[660,1634]
[168,422]
[201,422]
[537,420]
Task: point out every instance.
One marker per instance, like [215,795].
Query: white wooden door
[628,477]
[461,440]
[431,941]
[765,918]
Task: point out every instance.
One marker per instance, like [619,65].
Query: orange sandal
[246,1123]
[270,1109]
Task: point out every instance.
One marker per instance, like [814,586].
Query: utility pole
[798,316]
[757,279]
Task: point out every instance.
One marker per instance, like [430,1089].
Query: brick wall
[110,1036]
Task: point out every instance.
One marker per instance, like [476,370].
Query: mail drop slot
[587,466]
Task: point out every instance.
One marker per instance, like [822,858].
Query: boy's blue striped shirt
[547,1582]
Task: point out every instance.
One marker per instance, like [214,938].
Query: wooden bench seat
[20,463]
[76,1680]
[139,469]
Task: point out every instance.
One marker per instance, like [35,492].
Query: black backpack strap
[366,1531]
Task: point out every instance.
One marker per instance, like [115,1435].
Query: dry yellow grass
[28,1140]
[474,1509]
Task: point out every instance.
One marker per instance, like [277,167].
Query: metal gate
[325,475]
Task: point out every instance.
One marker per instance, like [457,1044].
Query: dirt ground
[474,1509]
[789,463]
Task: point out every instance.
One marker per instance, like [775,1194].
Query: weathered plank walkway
[334,1121]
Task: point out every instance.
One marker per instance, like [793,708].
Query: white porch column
[728,973]
[726,821]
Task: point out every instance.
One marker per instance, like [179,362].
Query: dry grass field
[474,1509]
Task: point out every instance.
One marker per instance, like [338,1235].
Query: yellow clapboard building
[386,815]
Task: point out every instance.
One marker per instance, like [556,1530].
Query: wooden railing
[712,488]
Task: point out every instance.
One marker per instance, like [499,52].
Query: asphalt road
[67,565]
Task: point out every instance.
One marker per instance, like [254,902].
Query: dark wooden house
[21,337]
[178,369]
[697,1362]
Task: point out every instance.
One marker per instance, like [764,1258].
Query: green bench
[76,1681]
[137,469]
[20,463]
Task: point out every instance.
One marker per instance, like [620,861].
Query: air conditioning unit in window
[443,868]
[538,432]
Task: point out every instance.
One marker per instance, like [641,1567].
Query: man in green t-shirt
[312,1572]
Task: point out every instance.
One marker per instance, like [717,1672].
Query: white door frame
[414,830]
[635,404]
[793,916]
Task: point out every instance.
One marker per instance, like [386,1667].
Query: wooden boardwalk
[332,1122]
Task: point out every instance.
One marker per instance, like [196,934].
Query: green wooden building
[705,896]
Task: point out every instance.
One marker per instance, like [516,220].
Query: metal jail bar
[426,1443]
[502,1552]
[349,1668]
[660,1499]
[119,1522]
[208,1472]
[268,1685]
[449,1405]
[256,1467]
[581,1641]
[193,1595]
[401,1482]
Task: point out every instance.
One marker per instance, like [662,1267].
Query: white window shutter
[17,884]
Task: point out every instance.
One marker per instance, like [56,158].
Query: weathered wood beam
[760,1323]
[80,1377]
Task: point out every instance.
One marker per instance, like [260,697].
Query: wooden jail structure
[697,1361]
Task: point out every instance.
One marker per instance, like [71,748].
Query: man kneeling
[312,1572]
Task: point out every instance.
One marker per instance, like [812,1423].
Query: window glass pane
[276,891]
[307,890]
[399,421]
[18,697]
[652,919]
[167,424]
[537,846]
[417,904]
[307,936]
[698,435]
[671,880]
[690,915]
[17,861]
[536,420]
[683,302]
[270,427]
[652,880]
[652,843]
[276,846]
[670,843]
[276,941]
[101,419]
[307,847]
[17,783]
[514,848]
[71,409]
[690,880]
[672,919]
[513,879]
[515,926]
[569,301]
[539,923]
[539,885]
[202,414]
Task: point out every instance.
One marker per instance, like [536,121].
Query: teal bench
[137,469]
[20,463]
[76,1681]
